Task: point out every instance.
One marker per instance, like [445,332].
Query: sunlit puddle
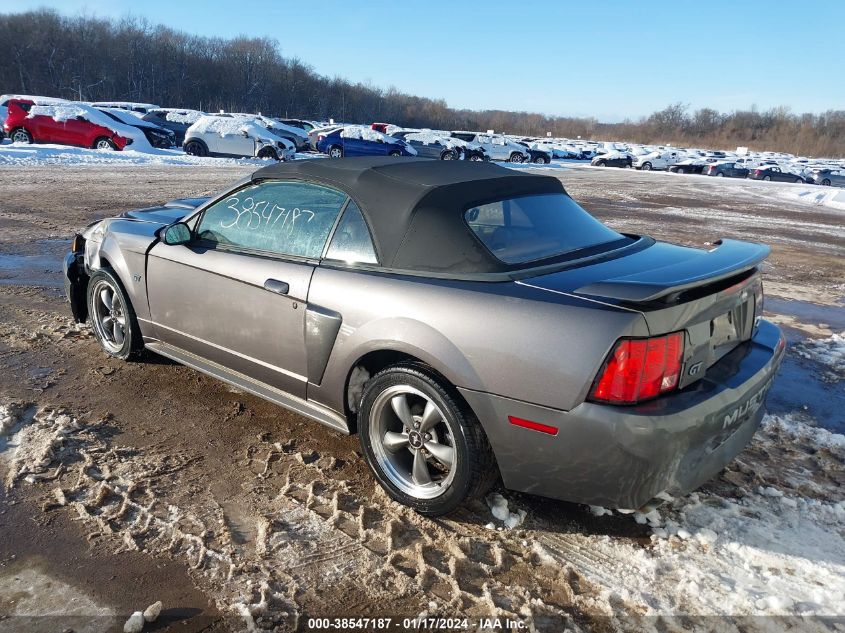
[43,268]
[798,386]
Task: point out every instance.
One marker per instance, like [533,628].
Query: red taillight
[639,369]
[320,137]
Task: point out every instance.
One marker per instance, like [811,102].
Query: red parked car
[76,130]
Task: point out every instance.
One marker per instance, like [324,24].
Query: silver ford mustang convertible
[466,320]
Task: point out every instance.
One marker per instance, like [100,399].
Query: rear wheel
[195,148]
[335,151]
[395,153]
[20,135]
[516,157]
[797,181]
[448,155]
[826,182]
[112,317]
[767,177]
[720,175]
[541,160]
[104,143]
[426,449]
[476,158]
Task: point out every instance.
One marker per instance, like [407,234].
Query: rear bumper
[623,457]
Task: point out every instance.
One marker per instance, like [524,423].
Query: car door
[78,131]
[236,293]
[352,146]
[237,144]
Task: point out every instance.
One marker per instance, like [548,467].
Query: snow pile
[35,445]
[183,116]
[428,137]
[8,418]
[499,508]
[796,430]
[829,352]
[51,154]
[767,550]
[822,196]
[365,133]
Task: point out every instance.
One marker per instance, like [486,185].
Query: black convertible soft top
[415,206]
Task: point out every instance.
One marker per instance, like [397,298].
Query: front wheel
[426,449]
[448,155]
[516,158]
[476,158]
[646,167]
[20,135]
[104,143]
[826,182]
[395,153]
[112,317]
[601,163]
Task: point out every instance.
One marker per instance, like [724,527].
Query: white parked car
[659,159]
[235,137]
[497,146]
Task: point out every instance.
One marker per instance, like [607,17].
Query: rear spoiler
[727,259]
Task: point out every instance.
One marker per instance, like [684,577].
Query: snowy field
[237,509]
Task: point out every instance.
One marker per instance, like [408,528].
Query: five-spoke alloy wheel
[112,317]
[424,445]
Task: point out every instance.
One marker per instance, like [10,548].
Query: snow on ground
[29,155]
[823,196]
[829,352]
[766,551]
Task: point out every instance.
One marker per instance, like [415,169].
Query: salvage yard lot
[233,510]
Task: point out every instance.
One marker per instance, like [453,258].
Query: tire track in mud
[313,530]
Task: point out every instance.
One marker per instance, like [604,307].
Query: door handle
[279,287]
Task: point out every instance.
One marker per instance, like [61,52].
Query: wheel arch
[384,353]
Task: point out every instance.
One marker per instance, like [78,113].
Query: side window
[351,241]
[289,218]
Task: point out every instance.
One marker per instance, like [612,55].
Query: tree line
[90,59]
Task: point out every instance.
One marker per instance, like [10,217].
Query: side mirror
[176,234]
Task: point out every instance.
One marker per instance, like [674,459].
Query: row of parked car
[116,125]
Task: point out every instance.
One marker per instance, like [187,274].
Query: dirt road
[131,483]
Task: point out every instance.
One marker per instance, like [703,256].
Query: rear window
[530,228]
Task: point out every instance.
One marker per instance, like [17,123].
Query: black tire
[476,158]
[335,151]
[395,153]
[132,345]
[20,135]
[826,182]
[475,466]
[646,167]
[601,163]
[196,148]
[541,160]
[767,178]
[516,157]
[797,181]
[103,142]
[448,155]
[268,152]
[681,170]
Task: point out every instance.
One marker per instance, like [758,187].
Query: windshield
[529,228]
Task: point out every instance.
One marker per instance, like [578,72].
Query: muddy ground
[127,483]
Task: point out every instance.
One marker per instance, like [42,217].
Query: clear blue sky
[609,59]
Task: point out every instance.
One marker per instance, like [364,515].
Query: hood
[167,213]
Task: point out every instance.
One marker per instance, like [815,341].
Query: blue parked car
[357,140]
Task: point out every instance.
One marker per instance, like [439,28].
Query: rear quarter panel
[502,338]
